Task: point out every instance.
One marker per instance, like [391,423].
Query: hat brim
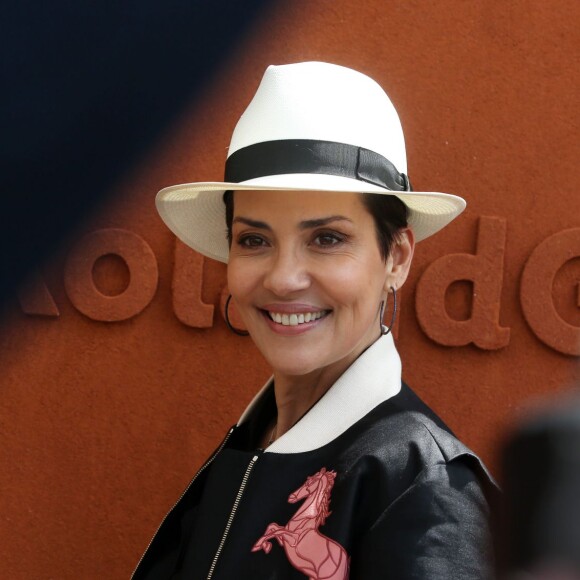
[195,212]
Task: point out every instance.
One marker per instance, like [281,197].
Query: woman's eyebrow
[252,223]
[304,225]
[316,223]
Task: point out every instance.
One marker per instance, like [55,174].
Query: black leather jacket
[370,484]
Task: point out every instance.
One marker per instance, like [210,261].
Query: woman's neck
[297,394]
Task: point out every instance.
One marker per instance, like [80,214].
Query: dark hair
[229,201]
[389,213]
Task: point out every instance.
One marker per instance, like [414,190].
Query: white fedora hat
[310,126]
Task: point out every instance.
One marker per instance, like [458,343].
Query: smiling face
[307,276]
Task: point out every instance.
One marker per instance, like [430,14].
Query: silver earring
[386,329]
[230,326]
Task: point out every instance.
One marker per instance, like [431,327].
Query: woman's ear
[400,258]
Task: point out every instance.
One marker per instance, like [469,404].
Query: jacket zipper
[232,514]
[199,472]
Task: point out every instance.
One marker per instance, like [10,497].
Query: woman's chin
[291,368]
[294,363]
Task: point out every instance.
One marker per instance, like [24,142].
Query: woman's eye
[251,241]
[328,239]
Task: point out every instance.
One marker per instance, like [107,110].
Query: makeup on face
[307,276]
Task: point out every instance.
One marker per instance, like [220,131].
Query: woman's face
[307,276]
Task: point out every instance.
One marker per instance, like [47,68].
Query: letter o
[536,291]
[143,275]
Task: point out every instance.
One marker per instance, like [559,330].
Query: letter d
[485,270]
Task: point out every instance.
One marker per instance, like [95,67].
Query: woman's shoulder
[403,435]
[406,417]
[416,421]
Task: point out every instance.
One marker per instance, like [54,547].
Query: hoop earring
[386,329]
[229,324]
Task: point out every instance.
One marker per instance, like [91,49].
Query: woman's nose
[287,273]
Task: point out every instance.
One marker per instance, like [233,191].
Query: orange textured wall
[116,379]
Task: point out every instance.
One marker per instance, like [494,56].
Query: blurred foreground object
[87,88]
[541,465]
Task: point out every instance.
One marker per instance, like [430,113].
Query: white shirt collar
[373,377]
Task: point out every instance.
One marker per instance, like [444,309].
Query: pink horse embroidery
[309,551]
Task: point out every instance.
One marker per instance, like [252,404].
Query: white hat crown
[322,102]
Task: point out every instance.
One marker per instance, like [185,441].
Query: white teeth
[295,319]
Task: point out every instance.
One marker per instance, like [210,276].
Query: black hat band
[312,156]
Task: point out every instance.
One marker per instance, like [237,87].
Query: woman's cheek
[244,286]
[347,280]
[239,279]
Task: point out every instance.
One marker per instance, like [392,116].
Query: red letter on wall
[536,291]
[35,299]
[187,285]
[485,270]
[142,265]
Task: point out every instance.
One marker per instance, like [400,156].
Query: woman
[336,470]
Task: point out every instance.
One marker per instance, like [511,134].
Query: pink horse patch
[309,551]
